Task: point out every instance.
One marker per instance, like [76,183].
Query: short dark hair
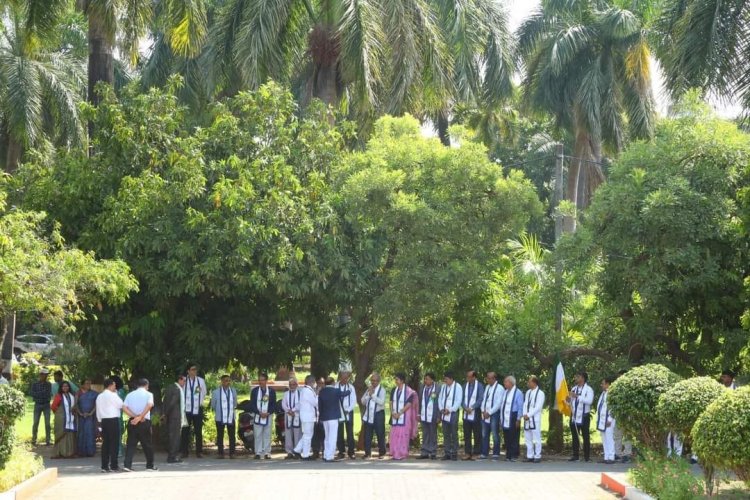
[263,376]
[83,381]
[142,382]
[190,367]
[608,379]
[449,374]
[534,379]
[728,373]
[310,379]
[108,381]
[330,381]
[584,375]
[401,376]
[431,375]
[224,376]
[58,372]
[119,384]
[473,373]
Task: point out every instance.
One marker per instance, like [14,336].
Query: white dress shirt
[195,392]
[137,401]
[308,404]
[108,405]
[581,406]
[450,399]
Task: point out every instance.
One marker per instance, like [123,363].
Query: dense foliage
[12,405]
[681,405]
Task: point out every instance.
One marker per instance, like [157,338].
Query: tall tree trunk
[443,123]
[556,430]
[7,341]
[13,155]
[325,85]
[101,58]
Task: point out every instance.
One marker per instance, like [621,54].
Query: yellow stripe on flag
[561,391]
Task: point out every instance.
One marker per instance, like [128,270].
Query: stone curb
[32,486]
[622,488]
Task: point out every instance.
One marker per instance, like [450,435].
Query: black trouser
[140,433]
[319,435]
[349,443]
[39,410]
[196,422]
[512,437]
[174,438]
[220,437]
[377,428]
[584,429]
[473,435]
[110,442]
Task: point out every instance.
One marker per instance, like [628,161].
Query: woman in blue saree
[86,409]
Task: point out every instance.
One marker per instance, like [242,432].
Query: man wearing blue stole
[346,421]
[532,420]
[429,416]
[263,406]
[195,393]
[511,411]
[224,403]
[449,402]
[490,410]
[373,416]
[290,403]
[472,420]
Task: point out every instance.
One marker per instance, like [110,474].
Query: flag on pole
[561,391]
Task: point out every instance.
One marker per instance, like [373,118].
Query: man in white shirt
[195,394]
[224,403]
[472,421]
[373,416]
[449,402]
[727,378]
[605,423]
[308,415]
[108,414]
[532,420]
[580,399]
[290,403]
[429,416]
[138,406]
[490,413]
[346,422]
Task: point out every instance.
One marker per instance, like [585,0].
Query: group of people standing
[319,415]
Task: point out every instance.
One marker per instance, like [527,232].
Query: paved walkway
[349,480]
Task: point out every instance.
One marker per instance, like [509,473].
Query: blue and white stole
[602,413]
[191,387]
[68,402]
[470,400]
[449,389]
[226,406]
[530,424]
[427,405]
[489,399]
[343,388]
[262,406]
[292,398]
[508,407]
[398,401]
[369,415]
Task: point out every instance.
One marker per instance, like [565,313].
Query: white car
[36,342]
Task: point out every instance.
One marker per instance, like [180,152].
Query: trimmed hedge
[721,435]
[633,398]
[12,406]
[684,402]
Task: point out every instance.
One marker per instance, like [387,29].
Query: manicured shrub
[721,434]
[633,398]
[12,406]
[684,402]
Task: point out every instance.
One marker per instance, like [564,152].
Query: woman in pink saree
[404,403]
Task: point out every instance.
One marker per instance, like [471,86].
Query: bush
[666,478]
[721,435]
[633,398]
[12,406]
[684,402]
[22,465]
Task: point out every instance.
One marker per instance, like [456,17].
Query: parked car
[36,342]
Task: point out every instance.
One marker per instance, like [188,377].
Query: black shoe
[625,459]
[199,455]
[514,460]
[618,457]
[574,459]
[528,460]
[104,471]
[433,457]
[693,461]
[257,457]
[423,457]
[446,457]
[267,457]
[609,462]
[588,460]
[366,457]
[454,458]
[537,460]
[298,456]
[307,459]
[340,455]
[179,460]
[152,469]
[127,469]
[184,455]
[352,457]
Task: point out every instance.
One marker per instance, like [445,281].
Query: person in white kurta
[263,406]
[195,393]
[308,415]
[532,420]
[292,425]
[605,423]
[449,402]
[224,404]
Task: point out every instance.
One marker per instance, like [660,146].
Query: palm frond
[361,34]
[188,26]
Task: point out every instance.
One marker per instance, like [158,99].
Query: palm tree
[371,56]
[705,44]
[587,63]
[182,21]
[40,83]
